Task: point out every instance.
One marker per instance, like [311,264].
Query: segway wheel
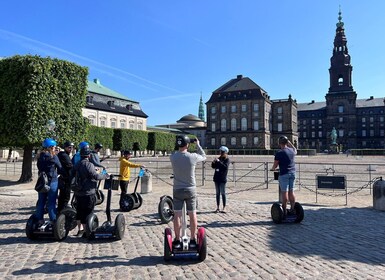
[140,200]
[120,226]
[59,229]
[202,244]
[31,227]
[277,213]
[299,212]
[92,223]
[99,197]
[166,209]
[167,249]
[126,202]
[70,215]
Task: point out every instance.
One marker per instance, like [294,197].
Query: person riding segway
[184,195]
[285,159]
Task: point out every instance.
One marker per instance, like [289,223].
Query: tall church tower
[201,113]
[341,98]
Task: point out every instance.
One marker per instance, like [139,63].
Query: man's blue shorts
[286,182]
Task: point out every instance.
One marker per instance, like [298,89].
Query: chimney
[239,77]
[371,97]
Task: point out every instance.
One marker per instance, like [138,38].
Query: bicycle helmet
[83,144]
[85,151]
[48,142]
[98,146]
[68,144]
[283,140]
[224,149]
[182,140]
[126,152]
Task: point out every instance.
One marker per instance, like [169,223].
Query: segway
[166,209]
[200,251]
[99,197]
[277,214]
[57,231]
[134,200]
[107,230]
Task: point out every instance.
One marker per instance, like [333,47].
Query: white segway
[200,251]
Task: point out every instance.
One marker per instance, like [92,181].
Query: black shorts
[84,206]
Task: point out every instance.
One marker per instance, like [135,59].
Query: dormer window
[90,99]
[129,107]
[111,104]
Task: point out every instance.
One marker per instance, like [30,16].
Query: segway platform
[107,230]
[278,216]
[186,251]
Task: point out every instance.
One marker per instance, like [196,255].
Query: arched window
[340,80]
[233,141]
[243,124]
[223,141]
[223,124]
[233,124]
[243,141]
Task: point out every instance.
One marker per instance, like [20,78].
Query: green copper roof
[96,87]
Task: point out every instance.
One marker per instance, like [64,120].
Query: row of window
[341,133]
[113,123]
[341,120]
[233,125]
[111,103]
[234,108]
[233,141]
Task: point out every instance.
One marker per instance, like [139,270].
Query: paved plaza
[334,241]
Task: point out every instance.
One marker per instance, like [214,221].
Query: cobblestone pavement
[334,241]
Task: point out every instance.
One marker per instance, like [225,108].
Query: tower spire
[340,68]
[201,113]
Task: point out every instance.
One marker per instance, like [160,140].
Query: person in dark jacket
[88,180]
[221,166]
[64,179]
[49,163]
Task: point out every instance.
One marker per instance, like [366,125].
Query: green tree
[34,90]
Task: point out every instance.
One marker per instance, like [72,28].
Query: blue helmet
[224,149]
[83,144]
[49,142]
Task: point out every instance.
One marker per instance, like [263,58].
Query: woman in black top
[221,166]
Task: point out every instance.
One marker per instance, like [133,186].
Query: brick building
[359,122]
[241,115]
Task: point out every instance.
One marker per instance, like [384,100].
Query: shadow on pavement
[52,267]
[351,234]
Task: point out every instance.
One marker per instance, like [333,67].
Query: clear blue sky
[164,54]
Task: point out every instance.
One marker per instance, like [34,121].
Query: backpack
[75,183]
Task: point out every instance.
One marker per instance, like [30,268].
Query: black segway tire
[140,200]
[167,250]
[92,223]
[31,227]
[299,212]
[70,214]
[166,209]
[202,244]
[126,202]
[60,231]
[99,197]
[120,226]
[277,213]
